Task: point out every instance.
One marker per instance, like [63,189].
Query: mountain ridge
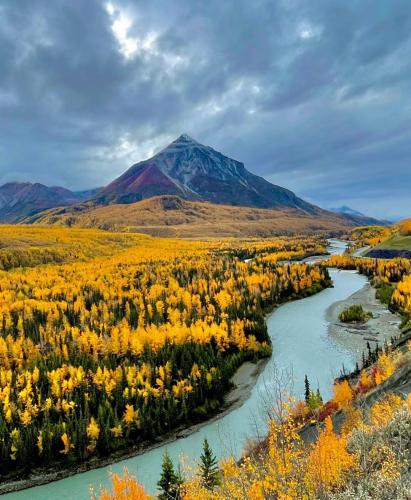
[192,171]
[345,209]
[19,200]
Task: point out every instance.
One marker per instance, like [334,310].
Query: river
[301,345]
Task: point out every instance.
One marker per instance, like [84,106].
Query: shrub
[384,293]
[354,314]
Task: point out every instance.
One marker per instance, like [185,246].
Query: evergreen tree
[307,391]
[209,467]
[169,482]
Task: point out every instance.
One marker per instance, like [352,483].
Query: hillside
[28,246]
[173,216]
[396,245]
[387,243]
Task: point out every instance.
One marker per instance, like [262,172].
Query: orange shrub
[353,419]
[365,383]
[382,412]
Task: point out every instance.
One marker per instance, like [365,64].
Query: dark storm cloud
[313,95]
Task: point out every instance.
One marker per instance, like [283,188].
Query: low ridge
[172,216]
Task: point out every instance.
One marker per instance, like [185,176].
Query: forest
[356,445]
[110,340]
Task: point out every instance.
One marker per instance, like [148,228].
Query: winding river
[298,331]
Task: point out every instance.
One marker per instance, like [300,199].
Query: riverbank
[382,326]
[243,382]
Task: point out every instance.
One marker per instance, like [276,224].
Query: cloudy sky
[313,95]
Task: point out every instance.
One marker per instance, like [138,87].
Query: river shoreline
[380,328]
[243,381]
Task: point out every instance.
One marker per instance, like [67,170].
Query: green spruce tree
[209,467]
[307,391]
[169,482]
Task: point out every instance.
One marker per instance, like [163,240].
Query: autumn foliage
[329,459]
[116,339]
[394,272]
[367,451]
[405,227]
[124,487]
[342,394]
[370,235]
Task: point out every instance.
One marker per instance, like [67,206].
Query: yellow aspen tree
[329,460]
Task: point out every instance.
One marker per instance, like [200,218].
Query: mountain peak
[185,138]
[184,141]
[193,171]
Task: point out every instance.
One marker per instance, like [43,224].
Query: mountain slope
[171,216]
[22,199]
[193,171]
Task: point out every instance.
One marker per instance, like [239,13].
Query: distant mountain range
[357,217]
[347,210]
[22,199]
[185,170]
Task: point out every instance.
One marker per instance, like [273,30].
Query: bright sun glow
[129,45]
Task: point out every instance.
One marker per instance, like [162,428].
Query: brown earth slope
[171,216]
